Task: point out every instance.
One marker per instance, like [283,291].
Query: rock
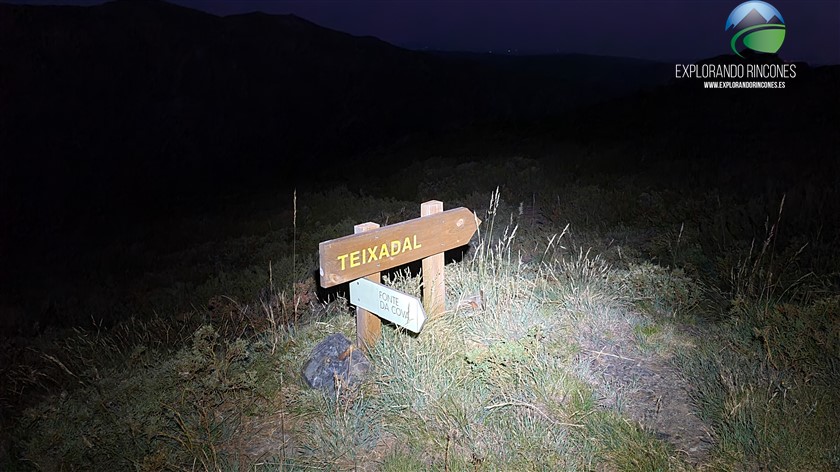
[335,358]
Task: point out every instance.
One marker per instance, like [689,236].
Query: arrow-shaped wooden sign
[397,307]
[358,255]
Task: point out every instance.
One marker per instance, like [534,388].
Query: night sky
[673,31]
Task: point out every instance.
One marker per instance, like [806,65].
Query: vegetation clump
[584,319]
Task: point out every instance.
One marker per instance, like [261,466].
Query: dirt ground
[648,388]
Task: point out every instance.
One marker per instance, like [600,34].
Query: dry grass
[500,381]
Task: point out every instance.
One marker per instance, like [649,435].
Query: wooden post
[368,325]
[434,289]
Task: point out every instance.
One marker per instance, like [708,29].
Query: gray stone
[335,358]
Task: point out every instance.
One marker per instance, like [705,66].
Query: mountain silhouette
[115,114]
[110,113]
[175,93]
[751,19]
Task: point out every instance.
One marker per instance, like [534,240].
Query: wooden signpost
[434,289]
[351,257]
[373,249]
[368,325]
[397,307]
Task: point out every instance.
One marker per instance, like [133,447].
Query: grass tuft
[505,379]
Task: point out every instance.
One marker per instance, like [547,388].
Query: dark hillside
[611,76]
[147,97]
[760,145]
[119,107]
[114,115]
[743,138]
[654,285]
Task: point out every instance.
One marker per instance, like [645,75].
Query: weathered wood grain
[359,255]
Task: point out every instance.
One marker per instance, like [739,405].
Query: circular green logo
[757,26]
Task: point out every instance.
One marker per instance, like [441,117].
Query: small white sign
[397,307]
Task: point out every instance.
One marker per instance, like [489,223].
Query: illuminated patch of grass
[500,381]
[767,384]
